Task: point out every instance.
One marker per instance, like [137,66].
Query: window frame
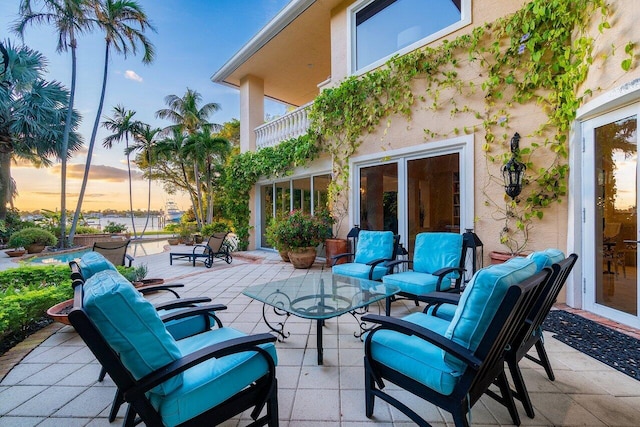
[465,19]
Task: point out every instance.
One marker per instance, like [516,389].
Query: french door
[610,215]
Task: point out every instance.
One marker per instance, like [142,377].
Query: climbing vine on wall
[244,170]
[539,55]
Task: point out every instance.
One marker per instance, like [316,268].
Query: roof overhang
[291,54]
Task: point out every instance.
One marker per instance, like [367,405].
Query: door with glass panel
[610,194]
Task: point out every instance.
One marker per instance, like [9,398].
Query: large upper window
[381,28]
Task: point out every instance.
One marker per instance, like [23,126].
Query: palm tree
[188,117]
[114,17]
[144,141]
[210,153]
[33,115]
[70,18]
[122,125]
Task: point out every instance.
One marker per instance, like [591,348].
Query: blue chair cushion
[480,300]
[213,381]
[414,357]
[415,283]
[373,245]
[94,262]
[360,271]
[185,327]
[546,258]
[131,326]
[434,251]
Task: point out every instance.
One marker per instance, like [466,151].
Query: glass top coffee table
[318,296]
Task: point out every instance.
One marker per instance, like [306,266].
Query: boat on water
[172,213]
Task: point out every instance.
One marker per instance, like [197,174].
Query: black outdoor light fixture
[473,255]
[513,171]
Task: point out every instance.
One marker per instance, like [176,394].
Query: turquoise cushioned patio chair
[373,252]
[204,379]
[530,334]
[92,263]
[452,364]
[437,261]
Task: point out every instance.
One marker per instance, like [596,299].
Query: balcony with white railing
[291,125]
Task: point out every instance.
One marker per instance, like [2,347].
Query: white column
[251,110]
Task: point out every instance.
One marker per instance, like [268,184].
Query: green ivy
[244,170]
[539,55]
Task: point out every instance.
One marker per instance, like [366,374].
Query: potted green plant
[301,233]
[333,245]
[273,235]
[33,239]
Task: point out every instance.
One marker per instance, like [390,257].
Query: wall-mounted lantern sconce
[513,171]
[474,254]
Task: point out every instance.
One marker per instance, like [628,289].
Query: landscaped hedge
[27,292]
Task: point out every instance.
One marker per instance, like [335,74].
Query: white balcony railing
[289,126]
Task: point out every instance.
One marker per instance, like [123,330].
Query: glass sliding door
[379,197]
[266,213]
[611,232]
[433,195]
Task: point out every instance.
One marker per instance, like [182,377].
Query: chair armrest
[204,247]
[129,259]
[192,311]
[335,258]
[235,345]
[399,261]
[441,273]
[433,298]
[164,287]
[181,302]
[407,328]
[378,261]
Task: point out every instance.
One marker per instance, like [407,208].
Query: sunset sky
[194,39]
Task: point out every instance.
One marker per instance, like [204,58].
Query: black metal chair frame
[184,303]
[257,395]
[107,249]
[374,263]
[530,333]
[485,365]
[441,274]
[205,252]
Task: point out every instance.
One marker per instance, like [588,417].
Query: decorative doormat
[611,347]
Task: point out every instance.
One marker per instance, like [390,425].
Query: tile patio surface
[56,383]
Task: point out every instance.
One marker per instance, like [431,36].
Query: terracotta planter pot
[35,248]
[174,241]
[284,255]
[336,247]
[60,311]
[15,253]
[302,257]
[148,282]
[498,257]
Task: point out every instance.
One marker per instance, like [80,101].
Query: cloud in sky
[98,173]
[132,75]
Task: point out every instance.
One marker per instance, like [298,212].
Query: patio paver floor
[56,383]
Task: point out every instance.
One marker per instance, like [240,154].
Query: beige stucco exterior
[560,226]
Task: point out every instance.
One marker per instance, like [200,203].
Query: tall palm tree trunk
[133,223]
[200,212]
[65,146]
[5,173]
[94,132]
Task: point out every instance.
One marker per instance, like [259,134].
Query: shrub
[27,292]
[84,229]
[112,227]
[31,236]
[218,226]
[297,230]
[33,275]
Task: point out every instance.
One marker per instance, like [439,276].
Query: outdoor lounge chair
[115,251]
[452,364]
[530,333]
[215,247]
[204,379]
[93,262]
[373,252]
[437,260]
